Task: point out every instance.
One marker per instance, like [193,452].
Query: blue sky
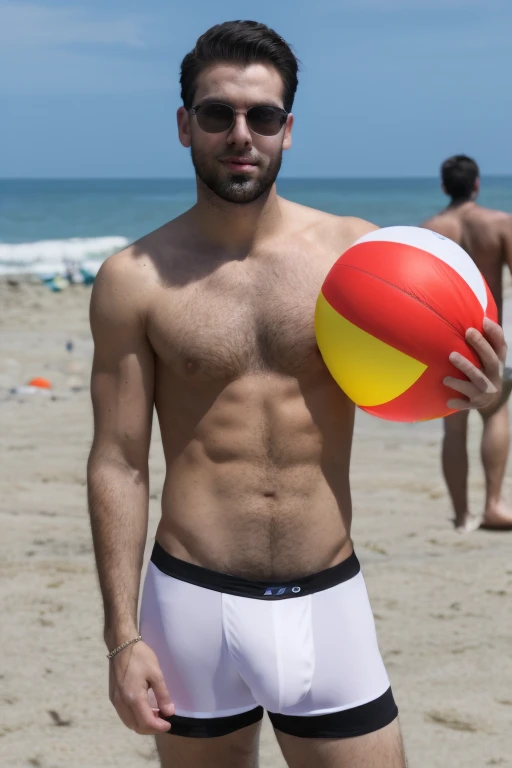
[387,88]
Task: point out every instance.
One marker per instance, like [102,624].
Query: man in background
[487,236]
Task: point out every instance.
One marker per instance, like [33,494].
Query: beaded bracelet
[123,646]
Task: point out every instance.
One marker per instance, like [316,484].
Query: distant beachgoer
[487,236]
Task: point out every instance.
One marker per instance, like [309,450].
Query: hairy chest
[240,319]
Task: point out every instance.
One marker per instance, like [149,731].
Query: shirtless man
[487,236]
[253,598]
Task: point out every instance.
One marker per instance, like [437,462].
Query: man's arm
[118,481]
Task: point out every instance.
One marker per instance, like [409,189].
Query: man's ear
[183,119]
[287,140]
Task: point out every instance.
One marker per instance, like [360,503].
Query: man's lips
[239,163]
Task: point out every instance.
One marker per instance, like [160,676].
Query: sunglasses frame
[279,110]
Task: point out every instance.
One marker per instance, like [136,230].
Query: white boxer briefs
[304,650]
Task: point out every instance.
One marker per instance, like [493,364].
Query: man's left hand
[483,385]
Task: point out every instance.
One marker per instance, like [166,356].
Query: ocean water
[45,224]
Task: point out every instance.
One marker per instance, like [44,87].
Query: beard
[240,188]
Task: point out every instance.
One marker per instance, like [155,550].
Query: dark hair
[244,42]
[459,174]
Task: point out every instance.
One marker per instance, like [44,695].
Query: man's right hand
[132,673]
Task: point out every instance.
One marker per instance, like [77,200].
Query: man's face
[237,165]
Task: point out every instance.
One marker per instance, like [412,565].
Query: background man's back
[487,236]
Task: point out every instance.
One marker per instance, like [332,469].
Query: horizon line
[281,178]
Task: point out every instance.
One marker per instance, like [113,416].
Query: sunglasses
[263,119]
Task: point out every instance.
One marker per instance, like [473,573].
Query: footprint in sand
[57,719]
[454,721]
[373,547]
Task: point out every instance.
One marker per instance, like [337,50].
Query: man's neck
[235,226]
[459,202]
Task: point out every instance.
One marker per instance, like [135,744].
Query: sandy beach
[442,601]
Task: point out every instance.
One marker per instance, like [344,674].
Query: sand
[442,600]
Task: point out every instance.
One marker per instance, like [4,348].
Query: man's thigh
[380,749]
[236,750]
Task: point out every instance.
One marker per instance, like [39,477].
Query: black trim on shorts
[340,725]
[205,728]
[261,590]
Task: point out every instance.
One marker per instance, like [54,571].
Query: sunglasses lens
[215,118]
[265,121]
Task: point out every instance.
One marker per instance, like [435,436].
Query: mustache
[239,159]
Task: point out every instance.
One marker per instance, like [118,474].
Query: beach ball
[390,312]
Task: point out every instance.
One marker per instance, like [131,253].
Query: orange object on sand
[40,382]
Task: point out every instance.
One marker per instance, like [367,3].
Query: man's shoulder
[331,227]
[438,219]
[124,270]
[349,229]
[138,264]
[444,224]
[503,223]
[128,276]
[431,222]
[346,230]
[496,215]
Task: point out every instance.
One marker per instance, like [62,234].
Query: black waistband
[264,590]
